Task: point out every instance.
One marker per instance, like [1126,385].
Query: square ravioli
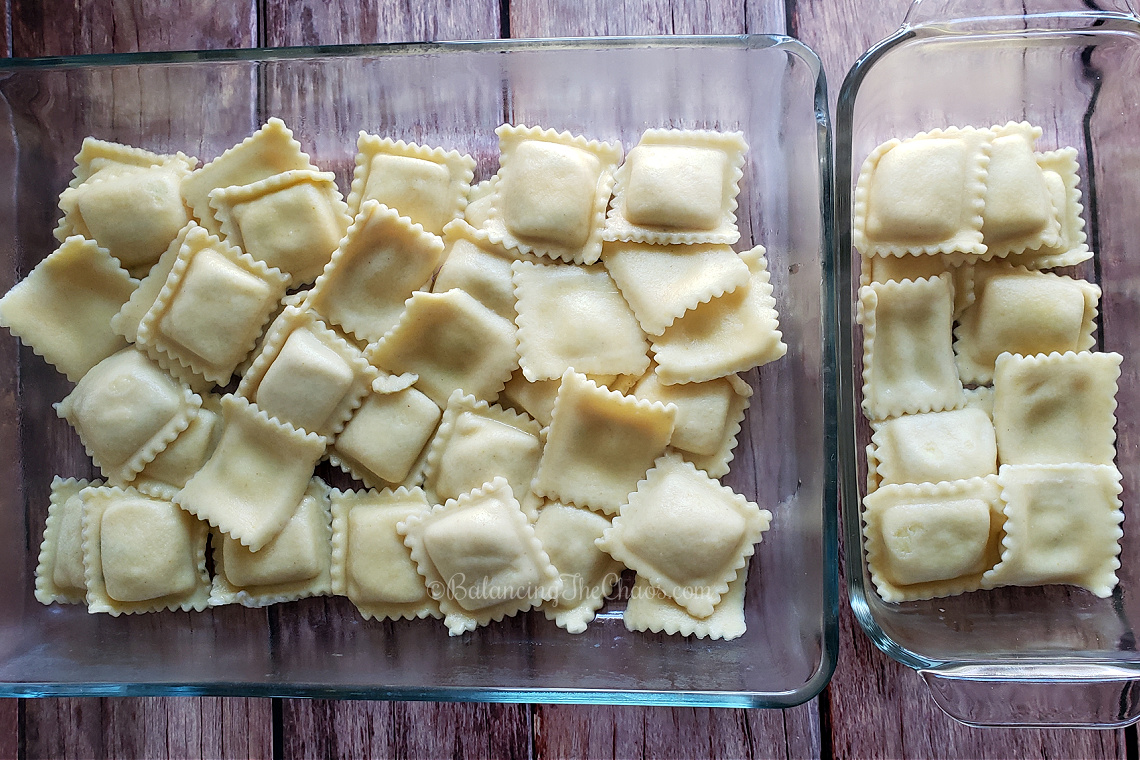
[574,317]
[1061,172]
[480,557]
[651,609]
[551,193]
[477,442]
[292,221]
[142,554]
[452,342]
[133,215]
[164,476]
[99,159]
[537,397]
[568,535]
[251,485]
[64,307]
[307,375]
[662,282]
[908,353]
[686,533]
[1056,408]
[932,539]
[380,262]
[733,333]
[126,410]
[384,439]
[371,564]
[1062,526]
[296,564]
[268,151]
[600,444]
[935,447]
[678,186]
[1019,213]
[209,313]
[60,575]
[708,417]
[1022,312]
[480,198]
[924,194]
[475,265]
[427,185]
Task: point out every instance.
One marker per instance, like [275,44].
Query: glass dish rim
[851,524]
[829,343]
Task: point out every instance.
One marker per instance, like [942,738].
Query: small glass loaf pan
[1052,655]
[452,96]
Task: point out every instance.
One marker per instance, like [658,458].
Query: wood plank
[328,728]
[130,727]
[602,731]
[121,26]
[572,18]
[319,22]
[157,727]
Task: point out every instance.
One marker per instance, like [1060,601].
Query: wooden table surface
[873,707]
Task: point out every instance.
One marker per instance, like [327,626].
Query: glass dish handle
[1084,696]
[992,15]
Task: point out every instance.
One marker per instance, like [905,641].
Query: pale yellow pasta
[588,574]
[292,221]
[931,539]
[551,192]
[142,554]
[452,342]
[209,313]
[1019,213]
[662,282]
[427,185]
[59,570]
[371,565]
[126,410]
[1056,408]
[307,375]
[599,445]
[733,333]
[678,186]
[480,557]
[1062,525]
[268,151]
[574,317]
[651,609]
[935,447]
[252,483]
[908,355]
[296,564]
[63,308]
[924,194]
[472,263]
[382,442]
[1022,312]
[380,262]
[477,442]
[687,534]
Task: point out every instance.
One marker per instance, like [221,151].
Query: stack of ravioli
[991,459]
[477,357]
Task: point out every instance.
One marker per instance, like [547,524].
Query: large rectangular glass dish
[449,95]
[1012,656]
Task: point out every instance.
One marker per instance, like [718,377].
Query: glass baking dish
[451,95]
[1050,655]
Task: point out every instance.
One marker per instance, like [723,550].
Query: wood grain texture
[326,728]
[159,727]
[75,27]
[574,18]
[319,22]
[681,732]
